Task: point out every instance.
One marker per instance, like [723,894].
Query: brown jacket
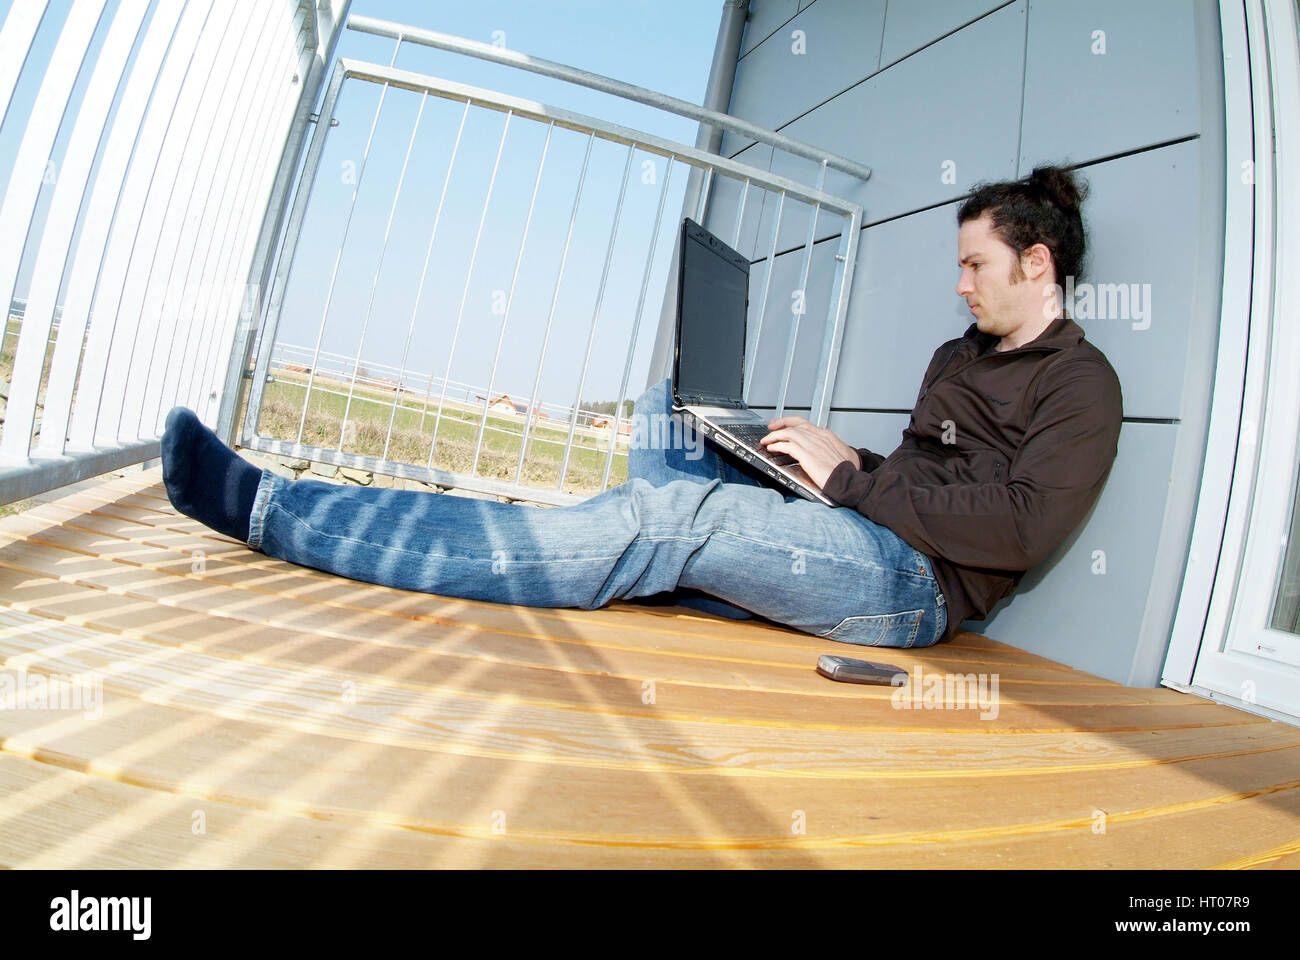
[1005,454]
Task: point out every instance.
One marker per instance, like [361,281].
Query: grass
[413,429]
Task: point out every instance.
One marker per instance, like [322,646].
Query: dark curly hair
[1041,208]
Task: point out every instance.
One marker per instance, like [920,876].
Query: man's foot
[204,478]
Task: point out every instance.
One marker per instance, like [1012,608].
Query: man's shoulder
[1083,366]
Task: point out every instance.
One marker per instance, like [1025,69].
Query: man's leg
[830,572]
[662,449]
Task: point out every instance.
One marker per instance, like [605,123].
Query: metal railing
[783,193]
[159,144]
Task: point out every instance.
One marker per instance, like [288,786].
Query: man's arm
[1015,524]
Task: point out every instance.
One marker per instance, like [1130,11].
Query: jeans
[686,520]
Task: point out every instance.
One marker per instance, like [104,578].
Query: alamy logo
[20,690]
[1100,301]
[662,431]
[946,691]
[75,913]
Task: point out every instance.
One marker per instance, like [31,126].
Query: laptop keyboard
[751,433]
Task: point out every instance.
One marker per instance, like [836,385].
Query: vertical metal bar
[312,63]
[338,257]
[266,343]
[802,291]
[57,234]
[16,38]
[469,274]
[105,198]
[501,336]
[419,293]
[595,317]
[171,90]
[374,283]
[704,196]
[841,285]
[189,231]
[141,306]
[752,345]
[34,151]
[740,215]
[803,295]
[550,317]
[238,248]
[236,193]
[137,303]
[636,326]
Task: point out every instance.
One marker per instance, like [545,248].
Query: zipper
[939,375]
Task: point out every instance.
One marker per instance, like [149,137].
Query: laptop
[709,359]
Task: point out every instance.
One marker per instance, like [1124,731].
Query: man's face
[991,279]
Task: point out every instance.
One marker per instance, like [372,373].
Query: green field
[458,429]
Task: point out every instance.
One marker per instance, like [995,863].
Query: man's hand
[818,450]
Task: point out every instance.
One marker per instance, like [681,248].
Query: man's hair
[1041,208]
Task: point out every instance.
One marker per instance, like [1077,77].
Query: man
[1017,422]
[1013,435]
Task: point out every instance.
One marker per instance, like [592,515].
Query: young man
[1011,440]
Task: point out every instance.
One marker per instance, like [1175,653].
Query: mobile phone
[848,670]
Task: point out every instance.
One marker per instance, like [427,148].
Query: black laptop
[709,360]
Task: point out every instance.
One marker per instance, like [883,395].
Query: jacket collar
[1060,333]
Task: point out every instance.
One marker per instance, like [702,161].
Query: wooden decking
[257,713]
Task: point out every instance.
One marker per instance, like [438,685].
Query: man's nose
[963,287]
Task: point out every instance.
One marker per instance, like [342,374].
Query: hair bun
[1061,186]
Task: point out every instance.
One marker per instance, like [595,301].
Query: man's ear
[1036,261]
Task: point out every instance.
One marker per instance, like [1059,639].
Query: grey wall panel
[909,26]
[765,17]
[879,432]
[1143,90]
[839,45]
[903,306]
[915,126]
[1065,611]
[1144,227]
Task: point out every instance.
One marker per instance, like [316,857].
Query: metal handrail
[548,68]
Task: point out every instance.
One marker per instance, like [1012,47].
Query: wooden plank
[726,690]
[607,734]
[757,691]
[581,810]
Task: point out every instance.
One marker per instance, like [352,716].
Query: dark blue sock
[204,478]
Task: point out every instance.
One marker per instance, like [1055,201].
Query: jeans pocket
[882,630]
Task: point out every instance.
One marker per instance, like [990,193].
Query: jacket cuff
[847,485]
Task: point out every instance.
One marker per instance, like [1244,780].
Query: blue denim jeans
[685,522]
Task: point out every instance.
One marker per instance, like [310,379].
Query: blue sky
[667,46]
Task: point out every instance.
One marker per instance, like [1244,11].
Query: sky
[384,232]
[667,47]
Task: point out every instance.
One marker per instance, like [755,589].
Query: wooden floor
[259,714]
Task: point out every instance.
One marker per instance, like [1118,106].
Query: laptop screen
[714,300]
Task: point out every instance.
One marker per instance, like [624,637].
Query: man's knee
[655,399]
